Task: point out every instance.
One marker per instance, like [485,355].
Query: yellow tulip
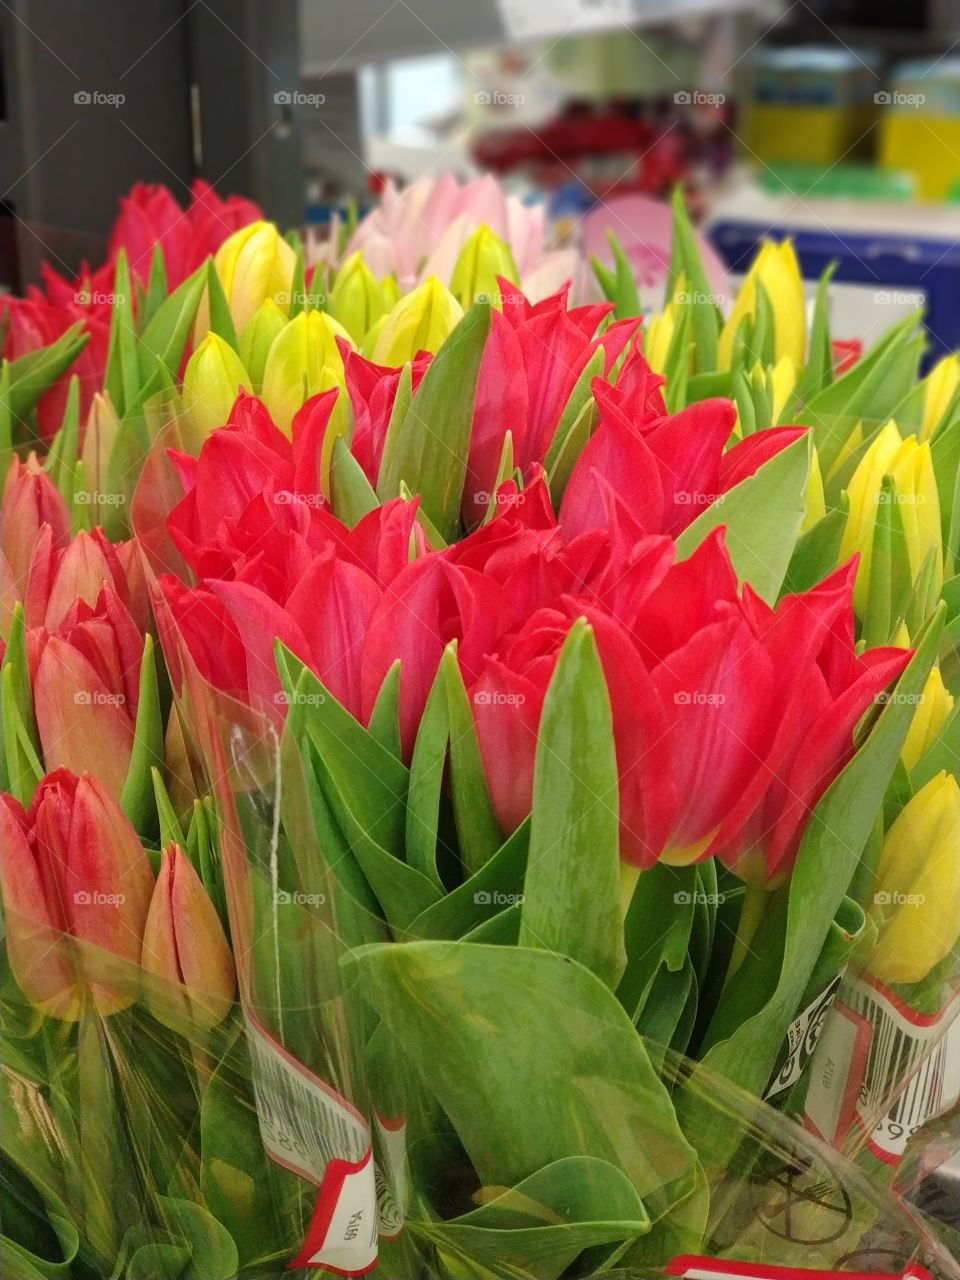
[254,264]
[358,299]
[484,256]
[657,336]
[815,505]
[909,463]
[916,899]
[211,383]
[422,321]
[783,379]
[777,269]
[940,386]
[303,361]
[936,703]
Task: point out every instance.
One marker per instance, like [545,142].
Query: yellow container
[805,134]
[927,146]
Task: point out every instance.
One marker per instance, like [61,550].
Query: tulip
[422,321]
[184,944]
[358,299]
[916,899]
[253,264]
[777,270]
[909,463]
[85,690]
[483,260]
[30,500]
[257,337]
[658,335]
[303,360]
[421,231]
[212,381]
[103,427]
[59,576]
[76,887]
[940,389]
[936,704]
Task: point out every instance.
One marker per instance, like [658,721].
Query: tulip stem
[755,897]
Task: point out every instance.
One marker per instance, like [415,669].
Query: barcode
[902,1048]
[303,1124]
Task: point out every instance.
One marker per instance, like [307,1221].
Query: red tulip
[30,500]
[73,868]
[184,944]
[85,689]
[822,688]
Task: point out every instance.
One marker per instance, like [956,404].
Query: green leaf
[385,717]
[570,450]
[540,1226]
[430,532]
[123,375]
[890,579]
[619,285]
[432,442]
[170,830]
[762,516]
[36,372]
[477,827]
[221,320]
[157,287]
[656,931]
[426,782]
[686,260]
[137,797]
[818,373]
[353,494]
[467,1016]
[496,887]
[580,397]
[817,552]
[678,362]
[504,469]
[572,891]
[22,768]
[164,339]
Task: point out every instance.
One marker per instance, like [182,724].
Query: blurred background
[836,122]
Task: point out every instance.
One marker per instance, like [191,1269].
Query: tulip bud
[85,690]
[303,360]
[777,269]
[422,321]
[184,943]
[814,502]
[657,337]
[257,338]
[940,387]
[254,264]
[75,867]
[30,500]
[58,578]
[211,383]
[482,259]
[931,715]
[358,299]
[918,506]
[916,900]
[103,426]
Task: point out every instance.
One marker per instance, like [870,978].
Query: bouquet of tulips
[500,756]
